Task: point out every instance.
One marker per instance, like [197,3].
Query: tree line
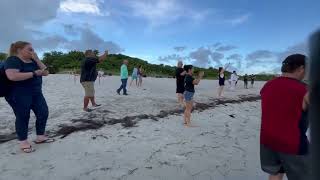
[60,62]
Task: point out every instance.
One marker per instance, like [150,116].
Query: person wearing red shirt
[283,140]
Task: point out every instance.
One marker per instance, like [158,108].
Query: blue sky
[253,35]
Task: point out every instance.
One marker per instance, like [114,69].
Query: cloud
[20,20]
[161,12]
[215,45]
[180,48]
[90,40]
[204,57]
[301,48]
[171,58]
[70,29]
[237,57]
[80,6]
[217,57]
[239,20]
[259,55]
[226,48]
[55,41]
[201,56]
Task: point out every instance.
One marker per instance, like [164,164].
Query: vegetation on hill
[58,62]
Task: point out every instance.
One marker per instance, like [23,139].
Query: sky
[254,36]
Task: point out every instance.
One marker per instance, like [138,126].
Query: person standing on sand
[222,79]
[140,76]
[124,77]
[25,70]
[134,76]
[233,80]
[252,77]
[180,76]
[284,146]
[245,81]
[89,75]
[189,92]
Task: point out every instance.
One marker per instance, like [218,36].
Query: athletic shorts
[188,96]
[88,88]
[180,88]
[134,77]
[296,167]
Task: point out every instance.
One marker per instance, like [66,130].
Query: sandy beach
[140,136]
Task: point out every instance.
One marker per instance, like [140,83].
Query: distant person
[252,77]
[233,80]
[25,70]
[245,81]
[88,76]
[180,76]
[283,140]
[134,76]
[222,79]
[124,77]
[189,92]
[140,76]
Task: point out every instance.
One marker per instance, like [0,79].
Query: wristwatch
[34,74]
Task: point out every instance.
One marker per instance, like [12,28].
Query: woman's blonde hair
[17,45]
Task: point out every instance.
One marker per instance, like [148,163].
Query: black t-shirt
[180,79]
[245,78]
[188,83]
[33,85]
[89,69]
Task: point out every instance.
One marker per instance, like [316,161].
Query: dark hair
[187,67]
[293,62]
[220,69]
[234,71]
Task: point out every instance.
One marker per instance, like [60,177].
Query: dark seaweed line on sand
[89,123]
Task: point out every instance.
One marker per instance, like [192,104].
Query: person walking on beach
[140,76]
[89,75]
[180,76]
[25,70]
[190,82]
[134,76]
[284,146]
[124,77]
[252,77]
[222,79]
[233,80]
[245,81]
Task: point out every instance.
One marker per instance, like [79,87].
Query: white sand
[221,147]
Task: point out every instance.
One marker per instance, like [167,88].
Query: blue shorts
[188,96]
[134,77]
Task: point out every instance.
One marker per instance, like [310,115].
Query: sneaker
[126,94]
[118,92]
[87,110]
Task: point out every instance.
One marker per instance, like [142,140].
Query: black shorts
[296,167]
[180,88]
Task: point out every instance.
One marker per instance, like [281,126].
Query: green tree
[3,56]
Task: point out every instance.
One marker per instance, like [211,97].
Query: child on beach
[189,92]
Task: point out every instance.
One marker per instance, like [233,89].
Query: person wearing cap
[284,146]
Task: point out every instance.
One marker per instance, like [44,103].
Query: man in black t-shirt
[180,75]
[88,77]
